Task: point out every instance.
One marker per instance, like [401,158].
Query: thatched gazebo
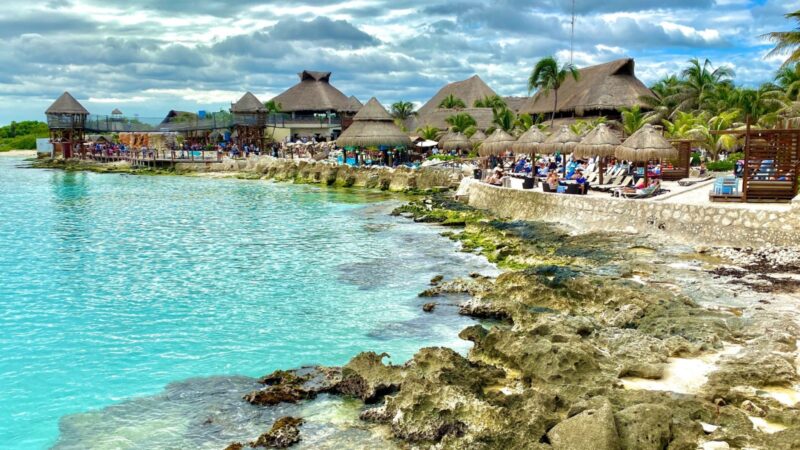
[602,142]
[564,140]
[497,143]
[455,141]
[530,141]
[249,120]
[373,127]
[645,145]
[66,119]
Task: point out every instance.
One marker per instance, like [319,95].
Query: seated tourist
[497,177]
[552,181]
[520,166]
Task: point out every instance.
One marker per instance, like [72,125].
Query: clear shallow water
[113,286]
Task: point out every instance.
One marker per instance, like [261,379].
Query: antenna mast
[572,34]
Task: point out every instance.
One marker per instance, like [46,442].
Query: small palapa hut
[469,90]
[373,127]
[249,120]
[66,118]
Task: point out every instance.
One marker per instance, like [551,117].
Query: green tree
[428,132]
[698,84]
[452,102]
[403,110]
[490,101]
[632,119]
[524,122]
[788,78]
[460,122]
[504,118]
[547,76]
[786,42]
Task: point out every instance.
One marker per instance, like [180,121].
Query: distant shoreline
[27,153]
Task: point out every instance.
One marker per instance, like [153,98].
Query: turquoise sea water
[113,286]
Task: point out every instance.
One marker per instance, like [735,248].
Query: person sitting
[496,179]
[581,181]
[520,166]
[552,181]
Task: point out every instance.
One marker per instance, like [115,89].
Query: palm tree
[428,132]
[460,122]
[490,101]
[403,110]
[452,102]
[524,122]
[698,83]
[632,119]
[786,41]
[762,105]
[504,118]
[547,76]
[788,78]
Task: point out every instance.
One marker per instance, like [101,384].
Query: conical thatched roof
[116,111]
[530,141]
[563,140]
[354,104]
[647,144]
[249,103]
[66,104]
[602,141]
[373,127]
[497,143]
[478,136]
[314,93]
[455,141]
[603,87]
[469,90]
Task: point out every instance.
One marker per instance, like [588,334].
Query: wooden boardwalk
[155,158]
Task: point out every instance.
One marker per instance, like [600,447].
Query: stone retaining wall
[391,179]
[691,224]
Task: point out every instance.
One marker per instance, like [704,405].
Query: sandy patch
[25,153]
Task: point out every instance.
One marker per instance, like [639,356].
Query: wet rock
[378,414]
[367,378]
[593,428]
[284,433]
[292,386]
[474,333]
[644,427]
[437,279]
[235,446]
[274,395]
[428,307]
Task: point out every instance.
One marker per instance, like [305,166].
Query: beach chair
[726,186]
[641,193]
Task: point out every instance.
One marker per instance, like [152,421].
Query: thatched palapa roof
[116,112]
[66,104]
[608,86]
[497,143]
[602,141]
[373,127]
[647,144]
[314,93]
[469,90]
[353,104]
[248,104]
[455,141]
[478,136]
[530,141]
[564,140]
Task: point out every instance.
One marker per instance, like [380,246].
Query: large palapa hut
[314,106]
[469,90]
[373,127]
[600,91]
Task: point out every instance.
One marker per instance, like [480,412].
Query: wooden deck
[159,158]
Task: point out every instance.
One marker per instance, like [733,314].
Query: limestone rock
[591,429]
[284,433]
[644,427]
[367,378]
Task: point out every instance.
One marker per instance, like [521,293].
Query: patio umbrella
[646,145]
[454,141]
[601,142]
[530,141]
[497,143]
[477,137]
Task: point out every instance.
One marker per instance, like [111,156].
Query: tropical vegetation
[547,76]
[452,102]
[787,41]
[22,135]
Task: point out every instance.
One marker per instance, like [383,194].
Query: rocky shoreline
[568,331]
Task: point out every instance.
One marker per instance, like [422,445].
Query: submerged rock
[292,386]
[284,433]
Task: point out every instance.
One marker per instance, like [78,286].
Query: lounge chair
[640,193]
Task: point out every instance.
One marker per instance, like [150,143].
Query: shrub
[720,166]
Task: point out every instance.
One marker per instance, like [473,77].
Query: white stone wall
[691,224]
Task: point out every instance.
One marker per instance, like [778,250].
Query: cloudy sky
[148,56]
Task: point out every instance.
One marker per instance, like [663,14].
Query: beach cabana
[497,143]
[373,127]
[602,142]
[645,145]
[530,141]
[249,120]
[455,141]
